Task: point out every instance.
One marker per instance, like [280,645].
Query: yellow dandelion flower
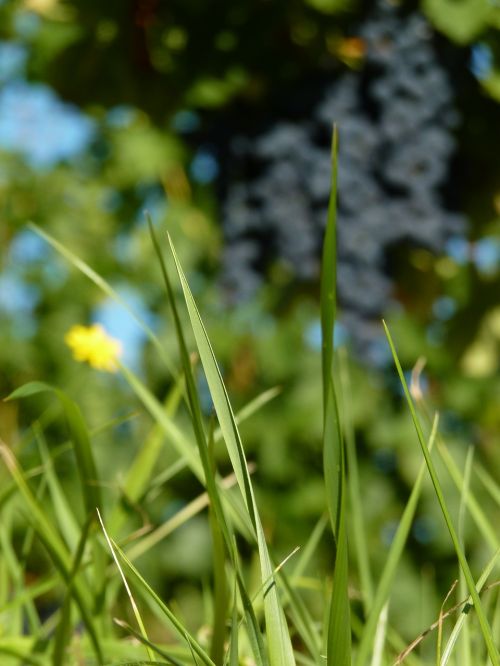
[93,345]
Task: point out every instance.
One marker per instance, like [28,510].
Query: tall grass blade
[338,630]
[483,622]
[278,639]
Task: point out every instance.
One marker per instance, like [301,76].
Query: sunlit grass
[262,619]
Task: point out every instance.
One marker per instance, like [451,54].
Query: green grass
[259,606]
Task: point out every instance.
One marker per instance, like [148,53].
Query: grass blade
[278,639]
[148,592]
[338,630]
[105,287]
[483,622]
[135,609]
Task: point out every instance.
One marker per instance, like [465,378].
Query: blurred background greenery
[111,109]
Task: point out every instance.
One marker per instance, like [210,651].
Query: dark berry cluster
[396,119]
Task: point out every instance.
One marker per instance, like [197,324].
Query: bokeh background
[216,118]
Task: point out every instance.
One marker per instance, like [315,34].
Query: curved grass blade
[278,639]
[483,621]
[105,287]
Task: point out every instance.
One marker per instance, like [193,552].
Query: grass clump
[268,622]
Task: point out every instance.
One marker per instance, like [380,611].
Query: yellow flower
[94,345]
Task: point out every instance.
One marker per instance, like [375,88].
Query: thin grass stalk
[483,621]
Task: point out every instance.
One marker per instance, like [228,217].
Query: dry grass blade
[461,605]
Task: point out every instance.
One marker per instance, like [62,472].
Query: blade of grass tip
[148,592]
[463,618]
[135,609]
[278,639]
[212,490]
[105,287]
[384,586]
[54,546]
[193,398]
[483,621]
[356,515]
[338,630]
